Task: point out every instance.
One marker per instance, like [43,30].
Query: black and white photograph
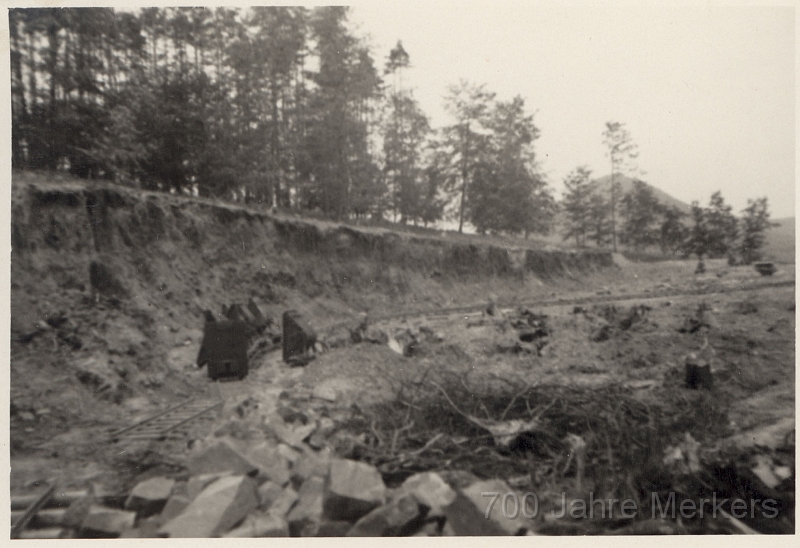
[400,269]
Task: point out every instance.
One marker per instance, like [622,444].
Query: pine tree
[672,231]
[340,111]
[405,130]
[722,227]
[640,210]
[755,223]
[621,152]
[518,198]
[697,241]
[599,220]
[577,204]
[467,139]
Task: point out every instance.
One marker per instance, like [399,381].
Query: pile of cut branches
[603,439]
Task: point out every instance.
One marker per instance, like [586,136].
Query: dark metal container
[298,336]
[224,349]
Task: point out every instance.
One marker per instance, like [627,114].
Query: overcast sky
[707,92]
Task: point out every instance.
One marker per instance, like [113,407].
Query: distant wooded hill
[780,239]
[626,184]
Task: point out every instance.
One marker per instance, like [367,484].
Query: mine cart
[224,349]
[766,269]
[298,338]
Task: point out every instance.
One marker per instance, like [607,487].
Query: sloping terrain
[431,349]
[780,238]
[87,352]
[603,184]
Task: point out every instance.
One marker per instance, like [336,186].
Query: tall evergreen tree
[347,83]
[577,204]
[599,220]
[721,226]
[641,211]
[698,238]
[278,44]
[621,151]
[672,231]
[19,103]
[508,195]
[755,223]
[405,131]
[467,139]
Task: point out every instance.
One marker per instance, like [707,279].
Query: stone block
[353,490]
[430,490]
[474,494]
[465,519]
[272,465]
[268,493]
[150,496]
[292,436]
[393,519]
[77,511]
[260,526]
[284,503]
[311,464]
[220,506]
[375,335]
[220,457]
[291,454]
[145,528]
[103,522]
[333,528]
[431,528]
[175,505]
[197,484]
[304,519]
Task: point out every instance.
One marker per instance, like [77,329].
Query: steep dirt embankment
[108,286]
[197,255]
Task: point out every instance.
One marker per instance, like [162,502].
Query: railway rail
[589,299]
[24,510]
[169,421]
[442,313]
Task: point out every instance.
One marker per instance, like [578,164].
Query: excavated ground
[89,356]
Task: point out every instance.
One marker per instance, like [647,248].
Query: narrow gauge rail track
[25,510]
[442,313]
[169,421]
[43,513]
[589,299]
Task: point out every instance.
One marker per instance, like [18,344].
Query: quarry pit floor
[749,342]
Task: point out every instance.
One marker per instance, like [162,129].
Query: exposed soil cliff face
[434,256]
[195,248]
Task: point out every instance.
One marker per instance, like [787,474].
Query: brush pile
[611,442]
